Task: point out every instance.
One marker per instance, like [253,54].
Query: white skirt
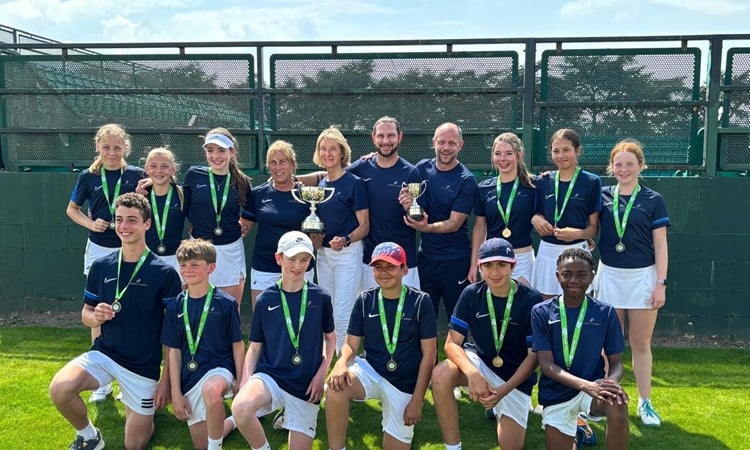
[626,288]
[230,264]
[544,278]
[524,266]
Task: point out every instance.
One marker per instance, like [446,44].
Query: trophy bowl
[415,190]
[313,196]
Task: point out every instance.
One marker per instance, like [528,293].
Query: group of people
[377,290]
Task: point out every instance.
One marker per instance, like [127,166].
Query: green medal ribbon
[218,208]
[620,226]
[193,342]
[391,341]
[569,349]
[505,213]
[119,293]
[161,222]
[294,336]
[499,338]
[561,211]
[105,188]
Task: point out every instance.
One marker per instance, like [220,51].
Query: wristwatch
[348,240]
[664,281]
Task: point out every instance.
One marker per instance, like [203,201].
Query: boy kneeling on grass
[292,341]
[570,332]
[397,324]
[204,345]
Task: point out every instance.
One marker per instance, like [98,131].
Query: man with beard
[445,248]
[384,174]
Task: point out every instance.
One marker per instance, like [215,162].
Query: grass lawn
[702,395]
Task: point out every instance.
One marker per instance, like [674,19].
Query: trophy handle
[295,193]
[424,188]
[329,191]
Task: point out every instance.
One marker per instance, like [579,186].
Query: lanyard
[506,316]
[105,188]
[294,337]
[569,349]
[193,342]
[559,213]
[505,213]
[218,208]
[620,226]
[119,293]
[161,222]
[391,341]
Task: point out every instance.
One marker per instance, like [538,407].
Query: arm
[246,226]
[449,225]
[478,235]
[524,371]
[542,225]
[413,411]
[180,405]
[94,317]
[315,388]
[311,179]
[163,394]
[340,373]
[478,385]
[251,359]
[76,215]
[238,352]
[569,234]
[661,256]
[605,389]
[359,233]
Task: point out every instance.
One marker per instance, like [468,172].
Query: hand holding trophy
[312,195]
[415,190]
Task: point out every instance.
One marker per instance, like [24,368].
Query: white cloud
[715,7]
[579,8]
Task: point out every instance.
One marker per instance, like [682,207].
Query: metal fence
[666,91]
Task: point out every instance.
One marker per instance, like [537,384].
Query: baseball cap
[389,252]
[218,139]
[496,249]
[293,243]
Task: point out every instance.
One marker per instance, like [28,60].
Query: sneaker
[278,420]
[101,394]
[584,434]
[648,414]
[489,414]
[92,444]
[457,393]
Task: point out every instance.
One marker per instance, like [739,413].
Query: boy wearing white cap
[499,368]
[397,324]
[292,341]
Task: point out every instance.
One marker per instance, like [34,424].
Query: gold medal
[116,306]
[506,233]
[497,361]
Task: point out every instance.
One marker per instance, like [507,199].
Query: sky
[105,21]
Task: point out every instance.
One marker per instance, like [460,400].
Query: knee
[639,345]
[337,398]
[442,377]
[243,408]
[60,389]
[212,393]
[618,415]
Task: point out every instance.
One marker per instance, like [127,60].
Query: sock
[265,446]
[641,401]
[453,447]
[234,424]
[88,433]
[214,444]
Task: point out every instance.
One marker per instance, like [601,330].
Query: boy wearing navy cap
[499,369]
[292,341]
[397,324]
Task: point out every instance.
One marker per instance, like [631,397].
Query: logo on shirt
[270,308]
[548,196]
[108,280]
[479,316]
[180,315]
[199,186]
[266,200]
[366,179]
[550,321]
[371,315]
[97,188]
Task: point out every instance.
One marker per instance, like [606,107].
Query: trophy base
[417,217]
[312,227]
[416,213]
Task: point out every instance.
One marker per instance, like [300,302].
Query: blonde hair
[109,131]
[630,146]
[166,152]
[333,134]
[239,180]
[515,142]
[285,148]
[201,249]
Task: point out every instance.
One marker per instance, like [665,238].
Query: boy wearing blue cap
[499,368]
[397,324]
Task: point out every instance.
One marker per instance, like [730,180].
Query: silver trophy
[314,195]
[415,190]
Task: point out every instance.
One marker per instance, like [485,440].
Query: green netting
[609,95]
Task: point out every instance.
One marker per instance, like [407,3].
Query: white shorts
[172,261]
[230,265]
[194,396]
[368,278]
[137,391]
[524,265]
[625,288]
[393,401]
[563,415]
[94,252]
[543,278]
[260,281]
[299,415]
[515,405]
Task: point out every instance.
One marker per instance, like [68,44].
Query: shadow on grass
[666,437]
